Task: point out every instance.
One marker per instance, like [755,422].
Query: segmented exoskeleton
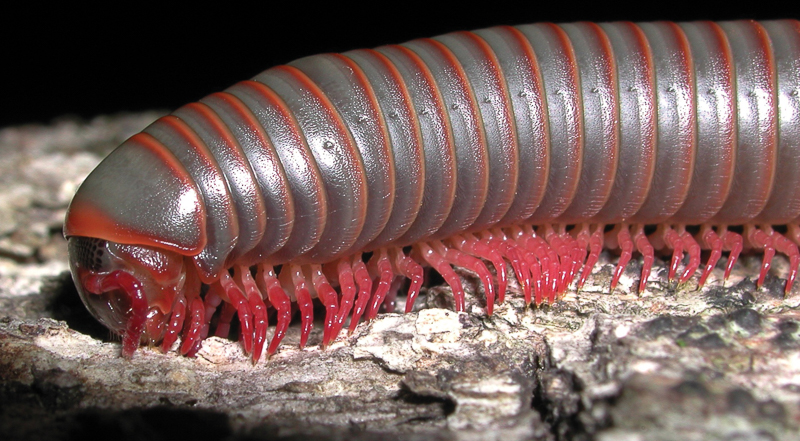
[533,145]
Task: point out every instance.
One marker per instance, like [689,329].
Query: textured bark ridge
[672,363]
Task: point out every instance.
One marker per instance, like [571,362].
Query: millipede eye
[88,252]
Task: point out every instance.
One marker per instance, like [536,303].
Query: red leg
[191,290]
[559,242]
[199,343]
[693,249]
[578,255]
[546,256]
[390,302]
[175,323]
[364,282]
[197,320]
[762,239]
[304,302]
[348,287]
[785,246]
[572,255]
[327,295]
[412,270]
[672,240]
[538,262]
[485,251]
[255,300]
[379,264]
[644,247]
[582,235]
[554,243]
[138,311]
[498,240]
[235,295]
[208,307]
[711,240]
[595,247]
[225,318]
[554,269]
[137,316]
[515,240]
[211,303]
[520,266]
[280,301]
[464,260]
[734,243]
[439,263]
[468,244]
[623,239]
[794,233]
[536,267]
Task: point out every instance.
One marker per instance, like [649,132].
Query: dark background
[85,62]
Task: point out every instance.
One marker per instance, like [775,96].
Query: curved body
[518,144]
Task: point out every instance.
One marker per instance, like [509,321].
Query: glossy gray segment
[309,204]
[248,202]
[526,94]
[471,165]
[267,170]
[222,228]
[599,90]
[637,122]
[784,202]
[562,99]
[490,97]
[335,153]
[137,191]
[756,121]
[675,116]
[437,141]
[344,85]
[405,137]
[715,108]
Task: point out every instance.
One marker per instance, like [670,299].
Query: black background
[85,61]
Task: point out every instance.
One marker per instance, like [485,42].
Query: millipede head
[131,289]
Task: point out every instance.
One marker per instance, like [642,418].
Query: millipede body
[522,149]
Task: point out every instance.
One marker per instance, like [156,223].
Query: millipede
[524,150]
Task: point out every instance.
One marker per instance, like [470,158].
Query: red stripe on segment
[239,176]
[260,149]
[84,218]
[405,138]
[292,141]
[347,160]
[472,162]
[439,145]
[532,185]
[504,158]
